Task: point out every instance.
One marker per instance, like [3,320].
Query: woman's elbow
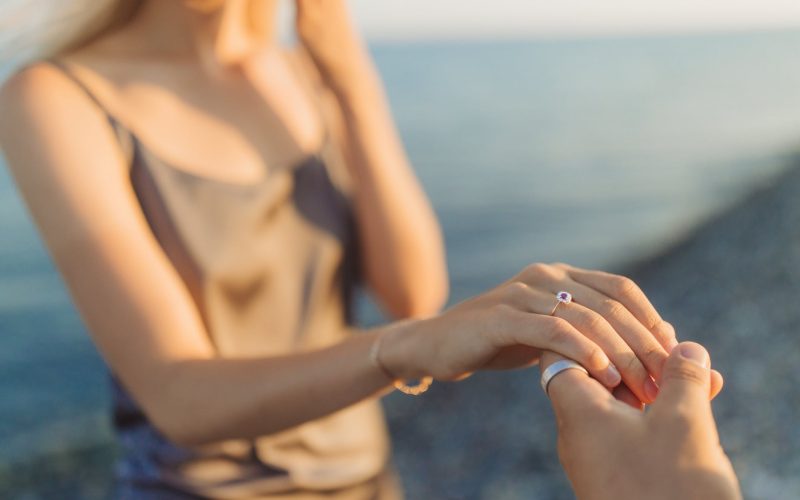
[183,419]
[180,428]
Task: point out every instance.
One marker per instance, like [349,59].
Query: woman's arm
[401,241]
[73,176]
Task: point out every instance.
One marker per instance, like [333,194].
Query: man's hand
[613,451]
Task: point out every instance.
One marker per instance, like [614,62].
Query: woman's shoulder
[32,96]
[28,85]
[65,84]
[44,113]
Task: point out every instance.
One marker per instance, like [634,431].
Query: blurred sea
[594,152]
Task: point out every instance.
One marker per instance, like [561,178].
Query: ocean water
[593,152]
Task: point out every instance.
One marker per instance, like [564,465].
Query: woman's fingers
[626,342]
[640,339]
[559,336]
[619,300]
[623,394]
[665,333]
[624,291]
[596,328]
[618,288]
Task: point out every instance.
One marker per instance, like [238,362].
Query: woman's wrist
[401,353]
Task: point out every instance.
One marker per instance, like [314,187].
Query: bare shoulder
[29,90]
[59,148]
[41,110]
[38,98]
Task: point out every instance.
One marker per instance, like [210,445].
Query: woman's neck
[220,33]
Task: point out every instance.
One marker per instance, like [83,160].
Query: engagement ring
[561,298]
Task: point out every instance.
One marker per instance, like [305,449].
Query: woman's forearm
[400,236]
[402,249]
[207,400]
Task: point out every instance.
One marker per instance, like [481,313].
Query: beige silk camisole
[271,267]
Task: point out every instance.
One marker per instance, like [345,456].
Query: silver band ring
[559,366]
[561,298]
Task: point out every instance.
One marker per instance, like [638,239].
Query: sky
[443,19]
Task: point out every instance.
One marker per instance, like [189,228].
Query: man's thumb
[686,377]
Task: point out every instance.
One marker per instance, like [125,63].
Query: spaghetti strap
[65,69]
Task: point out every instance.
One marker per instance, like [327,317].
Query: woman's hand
[325,29]
[610,328]
[611,451]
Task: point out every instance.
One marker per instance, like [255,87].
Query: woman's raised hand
[610,328]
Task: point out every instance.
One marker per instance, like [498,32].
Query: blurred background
[658,139]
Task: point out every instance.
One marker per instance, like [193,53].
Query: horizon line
[558,35]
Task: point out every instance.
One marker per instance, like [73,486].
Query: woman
[200,189]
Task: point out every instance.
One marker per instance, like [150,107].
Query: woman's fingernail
[613,376]
[650,389]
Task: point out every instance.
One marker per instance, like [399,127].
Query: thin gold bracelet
[412,390]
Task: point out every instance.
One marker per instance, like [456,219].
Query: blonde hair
[35,29]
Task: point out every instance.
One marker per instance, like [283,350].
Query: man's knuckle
[688,372]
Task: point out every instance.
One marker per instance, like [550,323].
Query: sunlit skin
[205,85]
[613,452]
